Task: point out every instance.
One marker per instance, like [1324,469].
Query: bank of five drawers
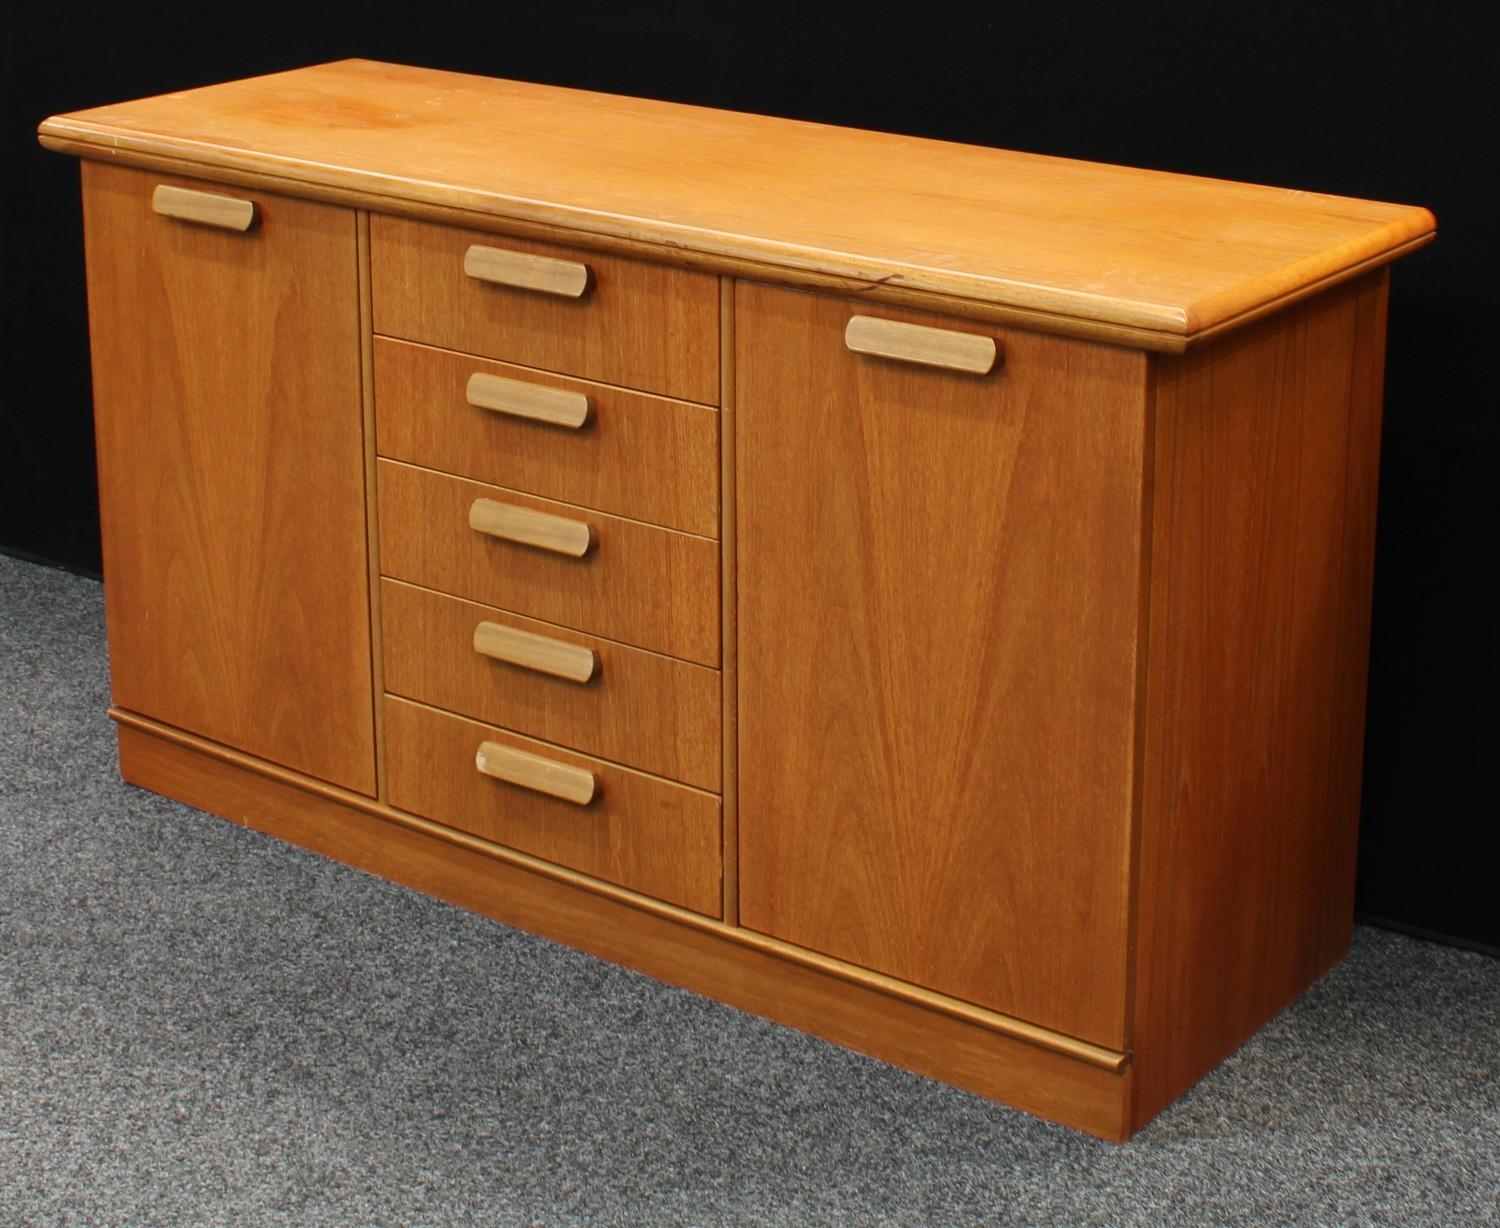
[548,511]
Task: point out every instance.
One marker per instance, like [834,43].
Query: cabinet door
[939,587]
[231,472]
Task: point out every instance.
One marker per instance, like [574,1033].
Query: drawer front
[640,456]
[651,587]
[638,708]
[641,832]
[622,321]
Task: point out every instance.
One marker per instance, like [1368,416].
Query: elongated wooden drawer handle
[538,652]
[565,278]
[523,400]
[518,767]
[531,528]
[931,347]
[205,208]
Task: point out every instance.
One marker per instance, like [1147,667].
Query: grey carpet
[200,1026]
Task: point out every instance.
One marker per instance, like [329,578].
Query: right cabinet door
[939,590]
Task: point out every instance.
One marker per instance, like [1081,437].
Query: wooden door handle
[522,400]
[531,528]
[929,347]
[528,771]
[546,274]
[204,208]
[536,652]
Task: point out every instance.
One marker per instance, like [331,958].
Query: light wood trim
[1301,293]
[372,503]
[1104,1059]
[580,159]
[543,530]
[897,294]
[203,208]
[528,771]
[541,653]
[518,399]
[929,347]
[524,271]
[728,658]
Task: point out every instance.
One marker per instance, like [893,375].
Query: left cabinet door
[231,471]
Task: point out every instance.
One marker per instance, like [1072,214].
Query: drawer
[588,313]
[639,708]
[653,836]
[601,447]
[652,587]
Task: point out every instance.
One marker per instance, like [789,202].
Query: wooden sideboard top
[1143,257]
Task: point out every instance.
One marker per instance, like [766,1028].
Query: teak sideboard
[916,592]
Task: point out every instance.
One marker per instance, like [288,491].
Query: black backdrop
[1395,104]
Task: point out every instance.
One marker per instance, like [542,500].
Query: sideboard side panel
[1266,445]
[231,472]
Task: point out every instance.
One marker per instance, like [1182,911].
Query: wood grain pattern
[1039,721]
[642,709]
[674,946]
[966,1012]
[894,293]
[651,587]
[1172,255]
[645,326]
[203,208]
[640,456]
[228,415]
[938,584]
[1263,526]
[656,837]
